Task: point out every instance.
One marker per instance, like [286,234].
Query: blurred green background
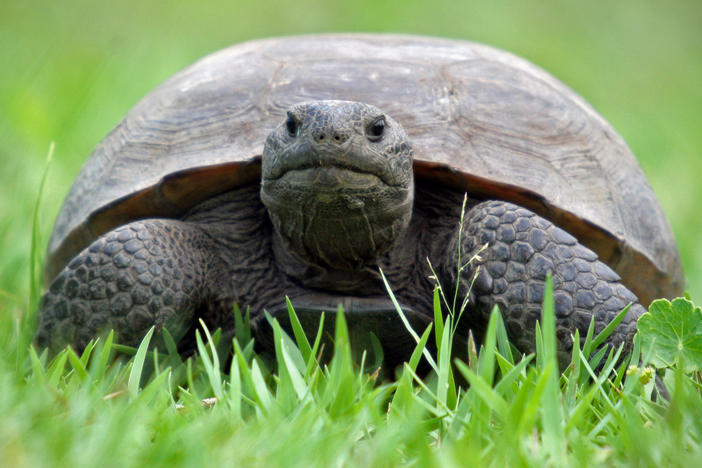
[70,70]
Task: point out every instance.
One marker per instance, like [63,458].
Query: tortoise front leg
[146,273]
[522,248]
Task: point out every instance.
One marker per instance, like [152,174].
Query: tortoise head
[338,183]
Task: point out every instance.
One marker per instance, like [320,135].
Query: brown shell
[480,119]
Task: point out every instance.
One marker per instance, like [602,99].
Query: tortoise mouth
[331,178]
[335,169]
[332,193]
[306,162]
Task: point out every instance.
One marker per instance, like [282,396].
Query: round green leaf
[671,333]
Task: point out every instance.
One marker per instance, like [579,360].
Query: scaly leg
[522,248]
[147,273]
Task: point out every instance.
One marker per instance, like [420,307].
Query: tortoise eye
[291,125]
[375,131]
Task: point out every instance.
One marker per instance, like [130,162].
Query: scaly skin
[522,248]
[150,272]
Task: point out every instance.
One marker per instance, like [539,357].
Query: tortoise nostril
[331,137]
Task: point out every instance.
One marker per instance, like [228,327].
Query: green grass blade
[99,364]
[503,345]
[604,334]
[376,351]
[486,360]
[525,408]
[444,371]
[504,365]
[279,333]
[513,375]
[459,255]
[37,366]
[584,404]
[169,342]
[596,358]
[212,342]
[419,349]
[438,318]
[265,398]
[158,384]
[235,393]
[246,375]
[298,382]
[35,263]
[211,364]
[552,410]
[138,364]
[303,343]
[78,367]
[27,322]
[284,390]
[484,390]
[442,410]
[406,323]
[124,349]
[574,371]
[242,325]
[312,363]
[85,355]
[588,348]
[404,390]
[548,325]
[539,345]
[56,369]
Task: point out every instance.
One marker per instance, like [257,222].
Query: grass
[74,68]
[155,409]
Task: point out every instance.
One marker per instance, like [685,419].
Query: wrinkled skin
[337,201]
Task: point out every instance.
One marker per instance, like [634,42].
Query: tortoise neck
[338,251]
[365,280]
[317,232]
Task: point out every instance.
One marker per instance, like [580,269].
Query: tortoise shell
[480,120]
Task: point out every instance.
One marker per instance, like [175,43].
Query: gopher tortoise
[371,142]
